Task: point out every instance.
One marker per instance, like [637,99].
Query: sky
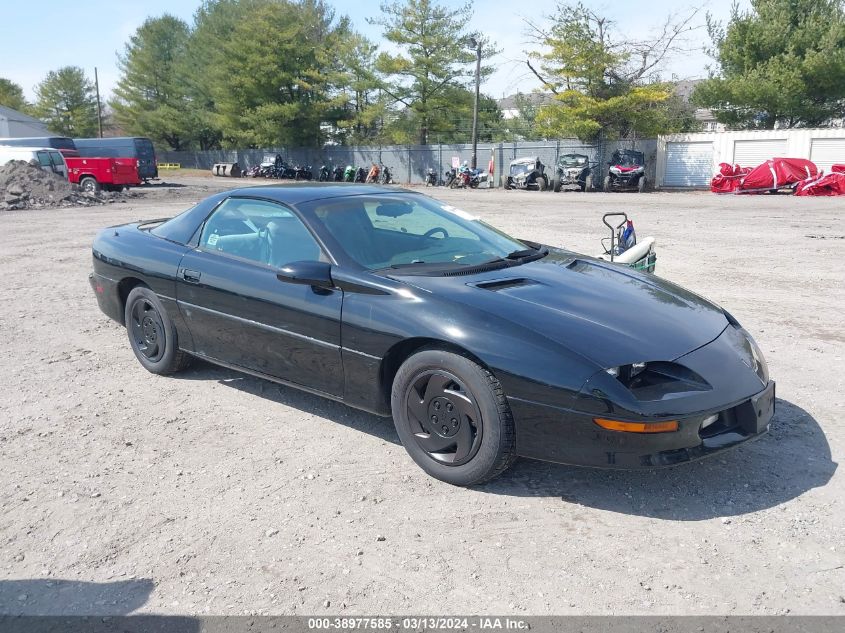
[35,39]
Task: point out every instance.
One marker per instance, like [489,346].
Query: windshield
[572,160]
[410,231]
[627,159]
[521,168]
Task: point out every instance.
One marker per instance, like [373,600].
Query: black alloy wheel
[147,330]
[443,417]
[452,417]
[152,334]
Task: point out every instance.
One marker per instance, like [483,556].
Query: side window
[44,159]
[259,231]
[57,160]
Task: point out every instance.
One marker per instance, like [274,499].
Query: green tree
[11,96]
[434,59]
[214,21]
[451,119]
[781,62]
[362,102]
[603,84]
[66,101]
[270,68]
[150,99]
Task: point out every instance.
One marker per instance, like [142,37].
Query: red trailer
[110,174]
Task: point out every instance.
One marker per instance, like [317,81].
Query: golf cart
[627,171]
[622,246]
[573,170]
[527,173]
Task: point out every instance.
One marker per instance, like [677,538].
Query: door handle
[191,276]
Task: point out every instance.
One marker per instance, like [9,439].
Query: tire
[641,184]
[556,185]
[475,446]
[588,183]
[541,183]
[89,184]
[607,183]
[151,333]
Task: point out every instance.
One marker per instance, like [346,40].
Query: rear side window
[260,231]
[44,159]
[57,159]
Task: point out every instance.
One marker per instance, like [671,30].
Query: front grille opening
[727,422]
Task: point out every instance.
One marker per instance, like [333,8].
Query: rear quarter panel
[125,255]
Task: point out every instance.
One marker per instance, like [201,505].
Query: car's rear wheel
[556,185]
[89,184]
[151,333]
[588,183]
[641,185]
[607,183]
[541,183]
[453,418]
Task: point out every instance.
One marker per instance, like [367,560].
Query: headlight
[760,365]
[656,380]
[748,350]
[625,372]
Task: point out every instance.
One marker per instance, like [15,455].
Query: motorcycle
[386,176]
[361,175]
[337,174]
[450,176]
[325,174]
[303,173]
[349,174]
[430,178]
[372,175]
[282,170]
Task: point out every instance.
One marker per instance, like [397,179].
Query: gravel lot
[212,492]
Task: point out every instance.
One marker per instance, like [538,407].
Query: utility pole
[99,107]
[476,44]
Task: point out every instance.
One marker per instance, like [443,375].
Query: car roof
[27,149]
[525,159]
[295,193]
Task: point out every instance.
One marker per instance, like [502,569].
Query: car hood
[607,313]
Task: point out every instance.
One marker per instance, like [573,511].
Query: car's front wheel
[152,334]
[453,418]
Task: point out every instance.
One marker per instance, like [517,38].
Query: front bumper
[570,437]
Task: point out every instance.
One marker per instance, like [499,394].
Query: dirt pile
[24,186]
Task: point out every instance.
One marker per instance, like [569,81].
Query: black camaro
[482,347]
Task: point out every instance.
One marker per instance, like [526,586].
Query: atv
[574,170]
[527,173]
[627,171]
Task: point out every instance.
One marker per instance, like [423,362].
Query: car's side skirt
[286,383]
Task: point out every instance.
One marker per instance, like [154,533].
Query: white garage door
[688,164]
[753,153]
[825,152]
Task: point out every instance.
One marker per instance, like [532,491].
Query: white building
[691,160]
[14,124]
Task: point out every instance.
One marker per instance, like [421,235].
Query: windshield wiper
[525,252]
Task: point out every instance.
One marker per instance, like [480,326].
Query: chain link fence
[409,163]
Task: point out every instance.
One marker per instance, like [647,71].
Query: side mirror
[316,274]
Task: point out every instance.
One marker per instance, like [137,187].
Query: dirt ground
[213,492]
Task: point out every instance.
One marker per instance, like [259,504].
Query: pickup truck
[110,174]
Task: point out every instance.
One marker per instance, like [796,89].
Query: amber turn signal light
[637,427]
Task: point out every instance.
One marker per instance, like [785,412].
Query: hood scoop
[497,285]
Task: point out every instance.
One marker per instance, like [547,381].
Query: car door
[241,314]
